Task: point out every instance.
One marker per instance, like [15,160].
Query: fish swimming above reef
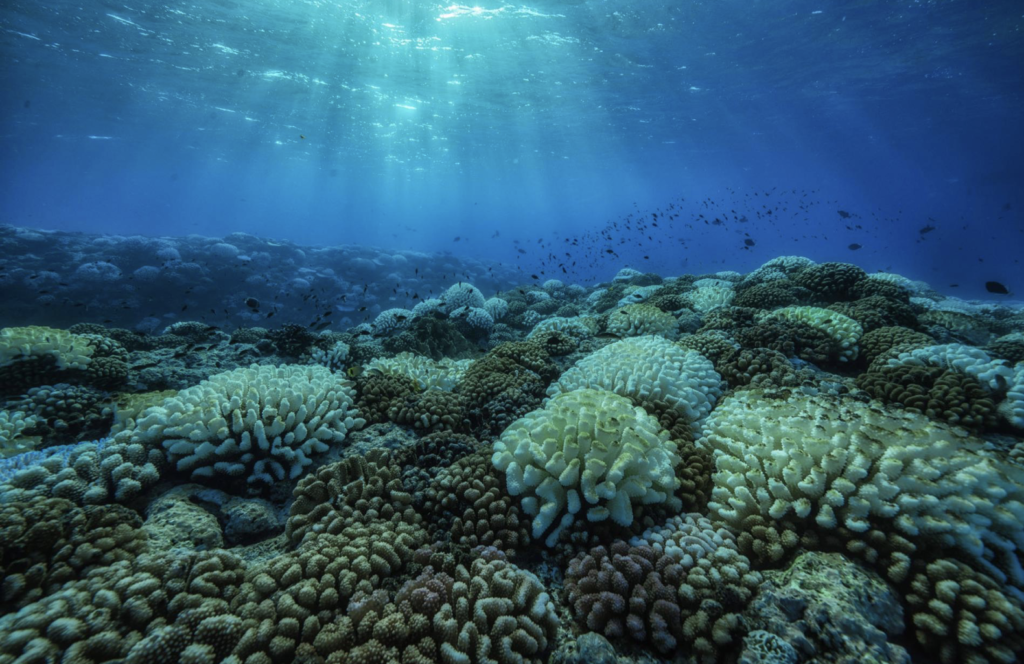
[996,287]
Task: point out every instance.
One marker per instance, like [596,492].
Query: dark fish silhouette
[996,287]
[748,242]
[927,229]
[854,247]
[844,214]
[252,303]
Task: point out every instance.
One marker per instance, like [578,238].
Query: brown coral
[831,282]
[941,394]
[770,295]
[433,410]
[379,392]
[758,367]
[683,583]
[47,542]
[881,340]
[355,490]
[792,338]
[470,507]
[963,615]
[876,311]
[714,346]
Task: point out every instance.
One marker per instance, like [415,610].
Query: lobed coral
[637,320]
[940,394]
[425,373]
[648,368]
[680,585]
[882,485]
[258,424]
[586,449]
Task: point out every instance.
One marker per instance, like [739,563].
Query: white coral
[815,462]
[993,374]
[426,373]
[587,450]
[262,423]
[648,368]
[461,294]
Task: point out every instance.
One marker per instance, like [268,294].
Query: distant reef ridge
[60,278]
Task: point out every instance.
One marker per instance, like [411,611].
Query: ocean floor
[806,463]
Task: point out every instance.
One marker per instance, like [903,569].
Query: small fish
[748,242]
[927,229]
[302,137]
[252,303]
[353,372]
[844,214]
[854,247]
[457,238]
[521,250]
[271,314]
[534,276]
[996,287]
[362,308]
[954,285]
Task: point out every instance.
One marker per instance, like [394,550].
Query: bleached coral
[260,423]
[496,307]
[391,320]
[883,484]
[333,358]
[581,327]
[712,282]
[64,349]
[12,424]
[461,294]
[637,320]
[426,374]
[428,307]
[638,294]
[587,450]
[474,316]
[708,298]
[626,273]
[648,368]
[789,264]
[993,374]
[1012,408]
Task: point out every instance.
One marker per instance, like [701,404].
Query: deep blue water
[409,124]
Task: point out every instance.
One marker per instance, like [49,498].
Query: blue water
[408,124]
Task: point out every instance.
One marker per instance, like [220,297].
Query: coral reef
[805,463]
